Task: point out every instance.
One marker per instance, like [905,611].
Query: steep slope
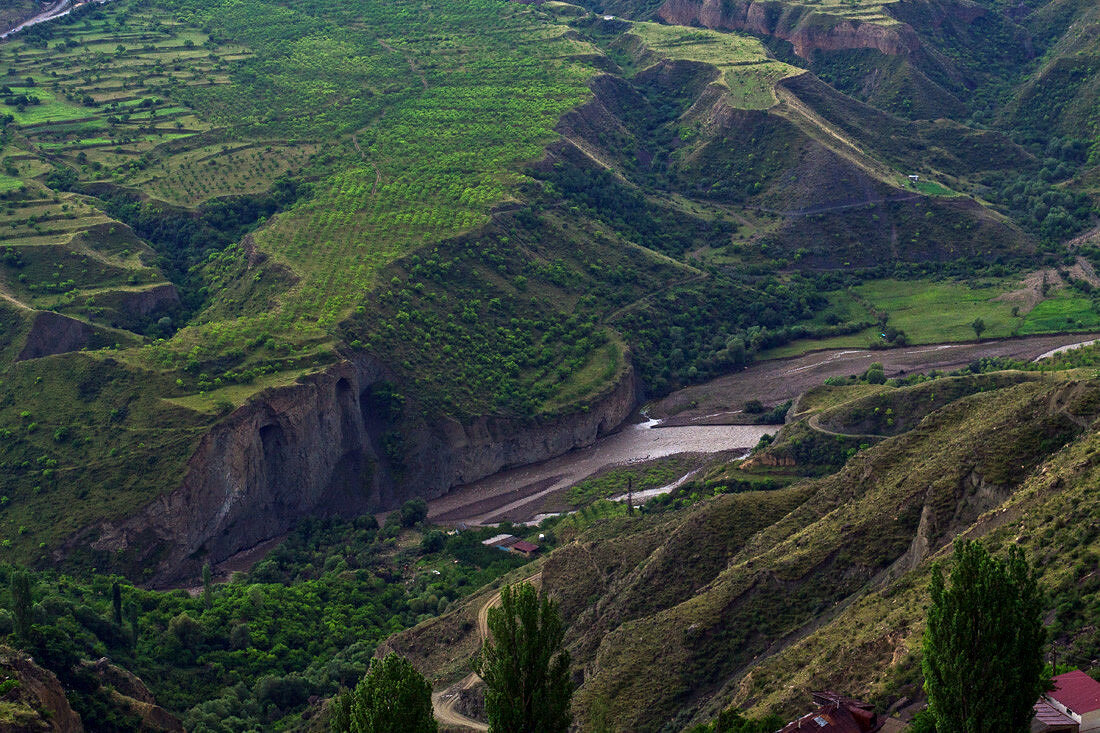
[673,617]
[1059,98]
[875,519]
[763,138]
[917,59]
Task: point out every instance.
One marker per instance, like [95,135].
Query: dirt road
[56,10]
[778,380]
[444,701]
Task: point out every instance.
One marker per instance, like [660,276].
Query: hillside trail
[13,300]
[377,173]
[408,60]
[649,297]
[835,139]
[826,208]
[815,423]
[444,701]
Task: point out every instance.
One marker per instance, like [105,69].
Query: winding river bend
[695,420]
[517,494]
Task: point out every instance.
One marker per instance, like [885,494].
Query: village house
[837,714]
[1073,705]
[510,543]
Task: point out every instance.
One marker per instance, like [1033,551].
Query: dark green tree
[21,603]
[412,512]
[524,666]
[207,581]
[983,646]
[979,327]
[116,602]
[132,612]
[392,698]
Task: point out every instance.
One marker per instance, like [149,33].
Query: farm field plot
[408,129]
[934,312]
[99,97]
[460,115]
[1064,312]
[929,311]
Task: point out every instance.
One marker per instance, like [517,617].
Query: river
[692,417]
[518,494]
[58,10]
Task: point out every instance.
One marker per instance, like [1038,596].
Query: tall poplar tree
[525,668]
[116,602]
[21,603]
[392,698]
[983,646]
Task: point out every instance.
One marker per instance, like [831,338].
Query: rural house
[1076,700]
[510,543]
[837,714]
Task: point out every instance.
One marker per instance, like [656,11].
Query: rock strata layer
[327,446]
[806,30]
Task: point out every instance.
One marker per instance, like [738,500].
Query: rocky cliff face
[805,29]
[151,300]
[38,703]
[324,446]
[129,693]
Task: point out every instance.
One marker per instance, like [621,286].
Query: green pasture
[929,312]
[50,109]
[934,312]
[1063,312]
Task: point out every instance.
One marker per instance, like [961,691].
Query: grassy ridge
[746,67]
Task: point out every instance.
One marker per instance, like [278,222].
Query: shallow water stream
[518,494]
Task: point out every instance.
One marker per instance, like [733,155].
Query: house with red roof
[1073,705]
[837,714]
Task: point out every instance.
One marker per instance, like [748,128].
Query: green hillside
[753,599]
[509,206]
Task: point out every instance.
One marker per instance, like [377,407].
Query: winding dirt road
[444,701]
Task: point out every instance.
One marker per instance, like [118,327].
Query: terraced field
[141,146]
[422,133]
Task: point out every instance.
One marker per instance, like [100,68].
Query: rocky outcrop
[53,333]
[151,300]
[328,445]
[807,30]
[129,693]
[37,702]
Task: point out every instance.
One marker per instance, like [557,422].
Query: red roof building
[524,547]
[836,714]
[1077,696]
